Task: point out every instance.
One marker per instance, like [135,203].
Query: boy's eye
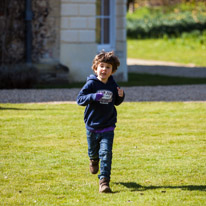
[102,66]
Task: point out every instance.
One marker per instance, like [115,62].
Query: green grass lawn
[181,50]
[158,156]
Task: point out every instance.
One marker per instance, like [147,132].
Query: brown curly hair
[106,57]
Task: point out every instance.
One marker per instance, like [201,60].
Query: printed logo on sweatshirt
[107,96]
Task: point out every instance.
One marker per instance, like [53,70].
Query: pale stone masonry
[77,43]
[121,47]
[78,37]
[77,22]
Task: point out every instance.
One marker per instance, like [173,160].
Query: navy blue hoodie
[99,114]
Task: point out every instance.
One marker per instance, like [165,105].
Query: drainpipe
[28,19]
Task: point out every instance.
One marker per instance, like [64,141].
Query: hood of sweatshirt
[94,78]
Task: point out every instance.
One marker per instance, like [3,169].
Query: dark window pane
[106,31]
[106,7]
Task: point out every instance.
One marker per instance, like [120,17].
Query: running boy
[99,95]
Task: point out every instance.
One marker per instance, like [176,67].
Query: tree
[130,5]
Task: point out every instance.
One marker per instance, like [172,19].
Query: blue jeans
[100,147]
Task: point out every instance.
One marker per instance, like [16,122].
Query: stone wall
[45,27]
[77,37]
[121,47]
[12,35]
[78,22]
[63,31]
[45,30]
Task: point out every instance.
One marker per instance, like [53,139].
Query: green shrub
[158,27]
[155,23]
[17,76]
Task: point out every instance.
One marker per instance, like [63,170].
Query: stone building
[64,32]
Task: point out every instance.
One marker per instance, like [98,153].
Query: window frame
[112,27]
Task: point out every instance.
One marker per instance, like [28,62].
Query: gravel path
[165,68]
[146,93]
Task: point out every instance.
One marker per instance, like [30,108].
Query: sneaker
[94,166]
[104,186]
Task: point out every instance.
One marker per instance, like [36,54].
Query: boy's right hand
[99,96]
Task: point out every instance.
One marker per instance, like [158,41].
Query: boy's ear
[95,71]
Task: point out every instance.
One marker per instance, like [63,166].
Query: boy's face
[104,71]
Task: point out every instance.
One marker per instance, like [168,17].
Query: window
[3,7]
[105,27]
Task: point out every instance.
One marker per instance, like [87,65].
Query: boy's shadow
[14,108]
[137,187]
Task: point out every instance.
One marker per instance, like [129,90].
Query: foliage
[158,155]
[17,76]
[170,21]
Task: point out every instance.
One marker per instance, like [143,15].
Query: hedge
[170,25]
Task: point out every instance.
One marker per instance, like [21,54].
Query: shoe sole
[106,190]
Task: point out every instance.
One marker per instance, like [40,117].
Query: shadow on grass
[143,79]
[20,109]
[137,187]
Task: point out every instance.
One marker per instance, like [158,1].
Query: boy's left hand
[120,92]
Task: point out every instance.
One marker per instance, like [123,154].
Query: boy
[99,95]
